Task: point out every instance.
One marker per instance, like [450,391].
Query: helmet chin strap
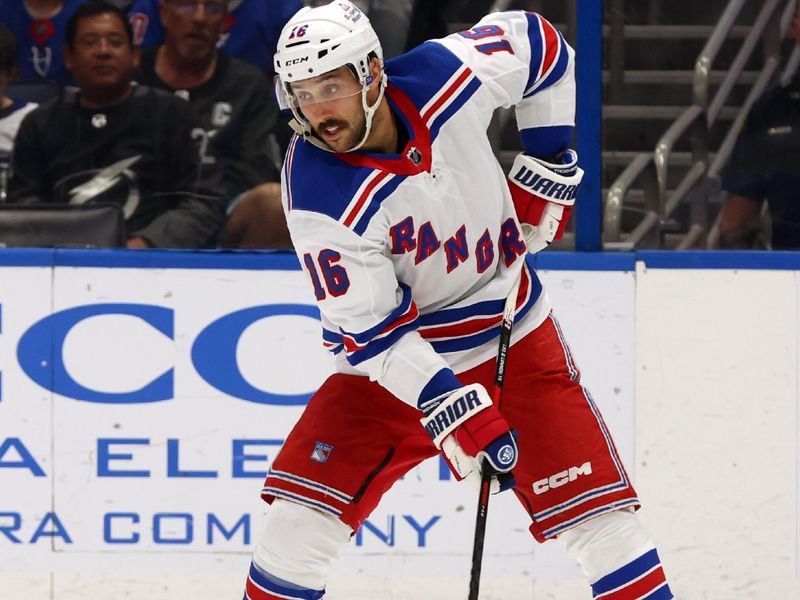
[369,111]
[302,127]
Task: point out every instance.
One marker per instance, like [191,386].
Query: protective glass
[330,87]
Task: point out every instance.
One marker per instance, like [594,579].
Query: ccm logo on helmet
[296,61]
[561,478]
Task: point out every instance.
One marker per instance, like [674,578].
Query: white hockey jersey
[411,255]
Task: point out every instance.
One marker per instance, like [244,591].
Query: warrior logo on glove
[452,413]
[543,194]
[468,428]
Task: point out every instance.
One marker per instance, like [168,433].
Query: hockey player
[411,238]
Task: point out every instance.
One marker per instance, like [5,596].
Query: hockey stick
[486,472]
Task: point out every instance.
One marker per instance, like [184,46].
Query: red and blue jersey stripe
[447,330]
[548,64]
[350,192]
[366,344]
[549,57]
[458,329]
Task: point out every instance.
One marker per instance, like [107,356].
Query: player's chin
[341,146]
[341,142]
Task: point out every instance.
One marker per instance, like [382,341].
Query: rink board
[143,397]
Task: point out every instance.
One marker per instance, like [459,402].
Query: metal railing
[651,171]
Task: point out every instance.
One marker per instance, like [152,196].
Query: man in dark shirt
[235,112]
[765,166]
[116,142]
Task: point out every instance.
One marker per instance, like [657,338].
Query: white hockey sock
[295,549]
[617,557]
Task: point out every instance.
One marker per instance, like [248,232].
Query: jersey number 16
[334,276]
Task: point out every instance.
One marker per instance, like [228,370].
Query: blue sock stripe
[277,585]
[636,568]
[662,593]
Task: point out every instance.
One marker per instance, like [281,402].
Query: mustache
[332,123]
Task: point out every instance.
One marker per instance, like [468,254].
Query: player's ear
[375,69]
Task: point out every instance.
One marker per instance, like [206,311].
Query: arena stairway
[647,82]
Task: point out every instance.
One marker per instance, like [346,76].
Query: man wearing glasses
[234,110]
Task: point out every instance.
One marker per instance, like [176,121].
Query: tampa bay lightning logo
[114,183]
[414,155]
[506,455]
[321,452]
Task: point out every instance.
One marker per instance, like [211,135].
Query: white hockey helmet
[318,40]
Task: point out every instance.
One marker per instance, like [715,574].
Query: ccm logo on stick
[561,478]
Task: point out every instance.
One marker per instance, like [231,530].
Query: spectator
[116,142]
[250,31]
[234,109]
[765,166]
[39,26]
[11,112]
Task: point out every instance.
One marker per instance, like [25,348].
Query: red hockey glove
[543,194]
[467,428]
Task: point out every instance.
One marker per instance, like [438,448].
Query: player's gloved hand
[467,427]
[543,194]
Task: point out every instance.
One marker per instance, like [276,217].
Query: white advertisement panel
[142,407]
[26,425]
[717,428]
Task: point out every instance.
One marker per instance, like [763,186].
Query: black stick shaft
[486,472]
